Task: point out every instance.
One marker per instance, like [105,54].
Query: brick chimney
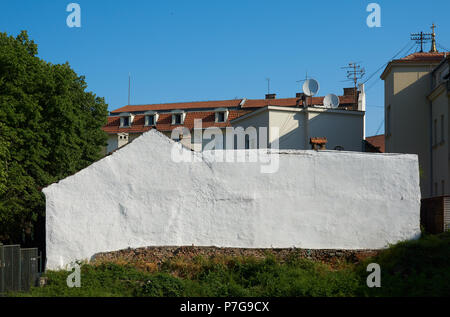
[318,143]
[301,97]
[349,91]
[271,96]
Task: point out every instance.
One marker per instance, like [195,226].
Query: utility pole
[355,73]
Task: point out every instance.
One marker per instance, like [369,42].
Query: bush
[414,268]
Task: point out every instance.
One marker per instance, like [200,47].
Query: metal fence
[19,268]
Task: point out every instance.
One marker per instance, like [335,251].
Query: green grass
[414,268]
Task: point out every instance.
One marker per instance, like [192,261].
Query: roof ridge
[172,103]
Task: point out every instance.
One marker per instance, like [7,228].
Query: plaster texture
[139,196]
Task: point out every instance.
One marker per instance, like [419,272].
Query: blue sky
[212,50]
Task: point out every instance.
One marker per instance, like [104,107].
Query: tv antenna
[302,80]
[355,73]
[129,87]
[268,85]
[421,38]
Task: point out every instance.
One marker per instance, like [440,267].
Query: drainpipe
[431,138]
[362,107]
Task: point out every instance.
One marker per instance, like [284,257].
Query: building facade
[289,122]
[416,115]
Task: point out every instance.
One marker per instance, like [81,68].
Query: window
[221,117]
[151,120]
[221,114]
[177,118]
[125,121]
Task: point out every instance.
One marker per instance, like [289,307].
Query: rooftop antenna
[355,73]
[268,85]
[421,38]
[129,87]
[302,80]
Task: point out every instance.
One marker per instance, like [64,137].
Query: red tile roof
[415,58]
[377,141]
[165,122]
[207,115]
[181,105]
[423,57]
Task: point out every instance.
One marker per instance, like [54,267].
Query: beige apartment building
[417,115]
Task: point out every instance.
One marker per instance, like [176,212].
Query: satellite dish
[331,101]
[310,87]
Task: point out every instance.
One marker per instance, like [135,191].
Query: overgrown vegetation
[50,127]
[414,268]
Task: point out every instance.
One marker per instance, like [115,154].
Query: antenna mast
[129,87]
[421,38]
[354,73]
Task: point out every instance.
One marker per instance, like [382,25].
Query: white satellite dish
[331,101]
[310,87]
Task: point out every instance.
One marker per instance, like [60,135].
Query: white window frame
[149,114]
[225,116]
[122,119]
[182,116]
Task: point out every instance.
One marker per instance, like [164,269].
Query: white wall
[296,126]
[139,196]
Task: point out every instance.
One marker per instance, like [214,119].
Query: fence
[19,268]
[435,214]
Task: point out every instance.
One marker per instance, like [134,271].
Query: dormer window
[151,117]
[221,115]
[126,119]
[178,117]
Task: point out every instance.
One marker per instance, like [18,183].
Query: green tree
[50,128]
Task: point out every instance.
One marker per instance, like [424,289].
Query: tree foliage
[50,127]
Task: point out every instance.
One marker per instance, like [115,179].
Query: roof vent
[318,143]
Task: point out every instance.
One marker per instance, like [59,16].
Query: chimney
[318,143]
[349,91]
[301,97]
[271,96]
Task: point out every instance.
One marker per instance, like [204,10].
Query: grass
[413,268]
